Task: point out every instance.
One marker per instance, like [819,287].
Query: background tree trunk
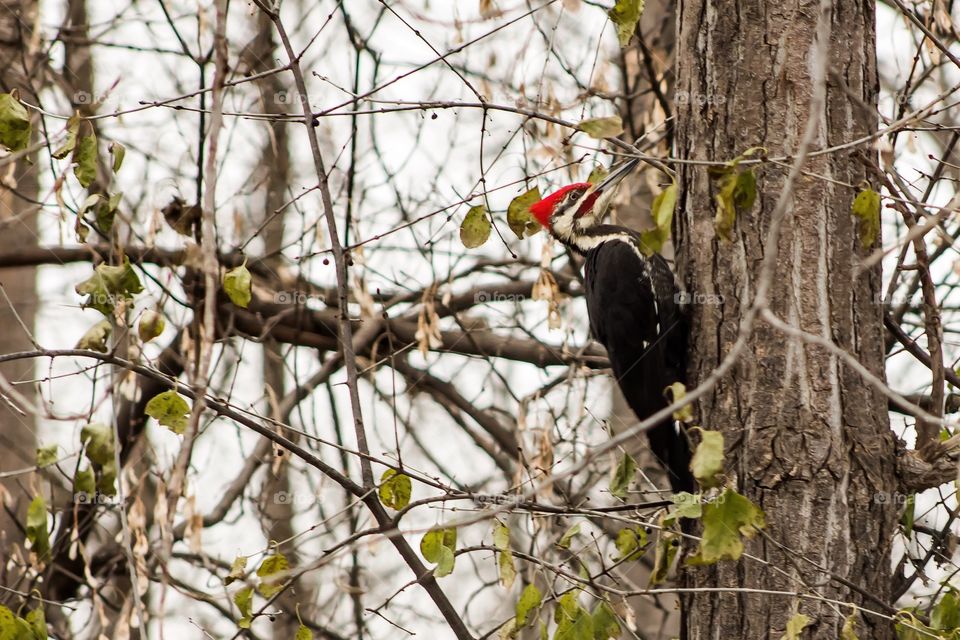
[274,174]
[807,439]
[18,227]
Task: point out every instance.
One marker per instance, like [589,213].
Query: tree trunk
[18,228]
[807,439]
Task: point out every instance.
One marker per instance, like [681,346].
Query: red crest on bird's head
[543,209]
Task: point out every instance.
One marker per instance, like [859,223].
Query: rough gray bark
[18,227]
[807,439]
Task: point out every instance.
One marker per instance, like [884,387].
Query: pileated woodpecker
[634,306]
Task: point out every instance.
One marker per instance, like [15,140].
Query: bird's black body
[635,313]
[634,309]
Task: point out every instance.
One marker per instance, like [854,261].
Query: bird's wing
[671,313]
[620,298]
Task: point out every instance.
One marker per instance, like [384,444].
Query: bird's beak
[598,198]
[616,175]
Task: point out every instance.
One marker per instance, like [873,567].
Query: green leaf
[37,623]
[909,512]
[946,615]
[652,241]
[506,569]
[530,599]
[46,456]
[625,15]
[430,545]
[568,535]
[98,443]
[508,630]
[438,546]
[73,127]
[445,565]
[599,173]
[623,475]
[725,522]
[85,157]
[519,218]
[745,191]
[678,392]
[106,483]
[151,325]
[106,211]
[272,572]
[395,489]
[117,151]
[37,528]
[737,194]
[237,284]
[14,123]
[573,621]
[84,482]
[707,462]
[630,543]
[668,543]
[908,627]
[600,128]
[501,535]
[567,607]
[89,203]
[450,538]
[170,410]
[96,337]
[237,569]
[606,624]
[13,627]
[866,208]
[303,633]
[475,228]
[726,210]
[849,630]
[108,285]
[795,627]
[688,505]
[579,629]
[244,601]
[752,151]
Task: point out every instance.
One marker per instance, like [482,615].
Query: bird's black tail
[671,448]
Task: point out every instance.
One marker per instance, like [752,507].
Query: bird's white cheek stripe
[562,226]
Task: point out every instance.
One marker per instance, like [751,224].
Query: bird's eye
[575,195]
